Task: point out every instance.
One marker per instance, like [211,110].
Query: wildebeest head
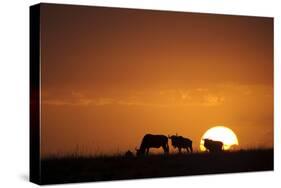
[174,139]
[139,152]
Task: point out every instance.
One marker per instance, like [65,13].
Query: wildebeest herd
[178,142]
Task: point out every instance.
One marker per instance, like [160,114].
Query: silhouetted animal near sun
[212,145]
[153,141]
[181,143]
[129,154]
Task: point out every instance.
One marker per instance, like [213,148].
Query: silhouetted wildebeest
[181,142]
[153,141]
[212,145]
[129,154]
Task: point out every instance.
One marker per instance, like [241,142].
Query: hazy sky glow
[111,75]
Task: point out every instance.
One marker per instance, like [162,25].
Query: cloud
[177,97]
[201,96]
[103,101]
[61,102]
[74,98]
[55,102]
[79,102]
[185,94]
[212,100]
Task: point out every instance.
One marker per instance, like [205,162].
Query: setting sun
[220,133]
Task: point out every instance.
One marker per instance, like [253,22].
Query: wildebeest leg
[179,149]
[167,148]
[164,148]
[147,151]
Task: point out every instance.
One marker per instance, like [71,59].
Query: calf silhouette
[212,145]
[181,143]
[129,154]
[153,141]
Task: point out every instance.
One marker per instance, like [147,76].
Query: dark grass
[70,169]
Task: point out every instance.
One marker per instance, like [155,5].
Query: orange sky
[111,75]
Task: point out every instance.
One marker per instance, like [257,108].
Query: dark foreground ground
[81,169]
